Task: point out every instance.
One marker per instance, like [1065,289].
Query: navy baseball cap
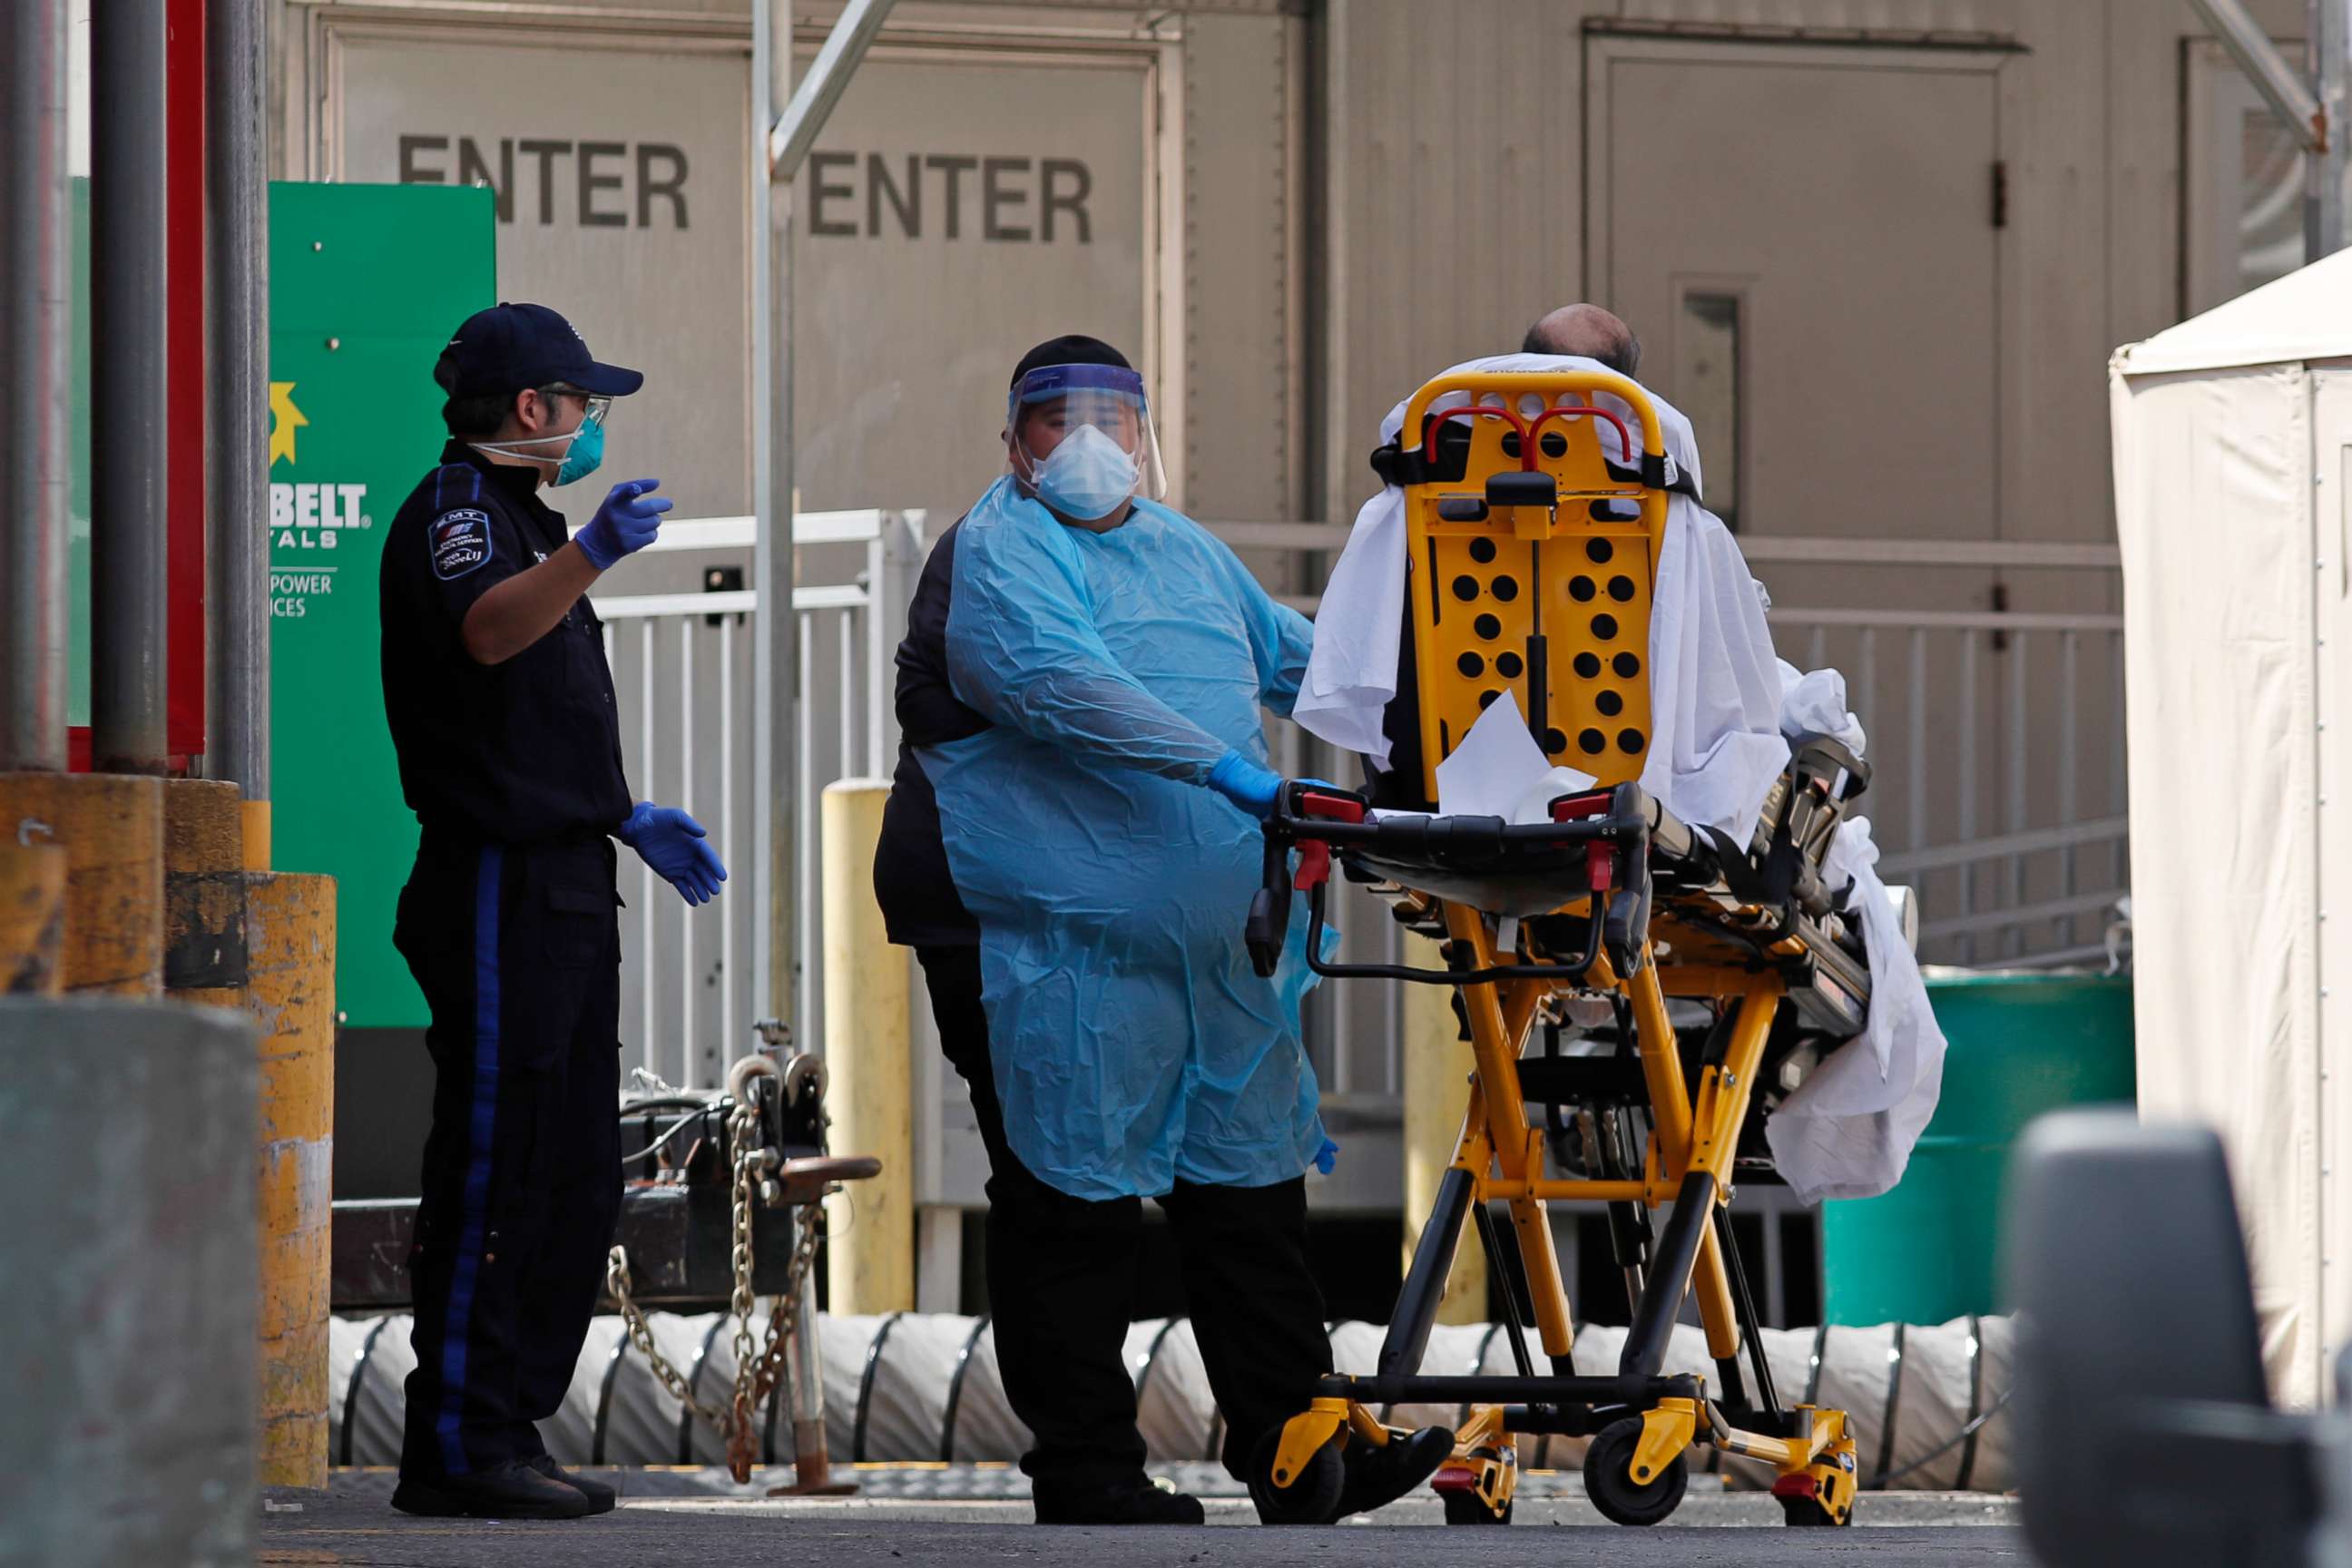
[510,347]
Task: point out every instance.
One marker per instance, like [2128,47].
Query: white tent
[2233,505]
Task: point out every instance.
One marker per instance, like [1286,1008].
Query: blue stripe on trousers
[481,1131]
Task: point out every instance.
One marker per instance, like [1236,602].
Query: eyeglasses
[599,405]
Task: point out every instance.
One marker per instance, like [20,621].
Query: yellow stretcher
[1535,562]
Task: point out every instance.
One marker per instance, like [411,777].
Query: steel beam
[35,325]
[775,630]
[237,232]
[789,131]
[129,395]
[2283,87]
[811,105]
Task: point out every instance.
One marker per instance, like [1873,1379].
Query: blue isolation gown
[1134,1047]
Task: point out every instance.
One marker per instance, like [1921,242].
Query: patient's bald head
[1590,333]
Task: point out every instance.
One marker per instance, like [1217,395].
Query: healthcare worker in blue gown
[1071,846]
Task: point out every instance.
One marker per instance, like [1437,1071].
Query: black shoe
[512,1490]
[601,1497]
[1137,1502]
[1378,1476]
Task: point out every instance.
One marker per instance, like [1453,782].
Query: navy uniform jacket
[526,752]
[920,906]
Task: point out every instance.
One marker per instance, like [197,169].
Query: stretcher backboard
[1549,600]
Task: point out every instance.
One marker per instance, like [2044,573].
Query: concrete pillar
[128,1308]
[1436,1094]
[112,826]
[869,1061]
[290,938]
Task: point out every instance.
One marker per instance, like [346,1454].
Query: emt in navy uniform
[502,710]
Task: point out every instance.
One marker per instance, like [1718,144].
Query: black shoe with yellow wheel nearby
[1377,1475]
[1140,1501]
[1308,1497]
[1608,1478]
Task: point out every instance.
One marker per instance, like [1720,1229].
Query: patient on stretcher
[1744,764]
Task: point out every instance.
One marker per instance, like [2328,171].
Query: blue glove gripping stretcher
[1133,1043]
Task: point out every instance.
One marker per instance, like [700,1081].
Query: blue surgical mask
[1086,477]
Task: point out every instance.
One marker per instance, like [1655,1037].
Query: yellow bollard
[256,821]
[1436,1095]
[32,917]
[290,939]
[204,892]
[112,826]
[869,1066]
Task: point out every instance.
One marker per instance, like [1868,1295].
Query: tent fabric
[2215,483]
[2298,318]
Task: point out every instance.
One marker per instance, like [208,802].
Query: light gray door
[1804,240]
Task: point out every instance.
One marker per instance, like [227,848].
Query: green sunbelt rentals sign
[366,284]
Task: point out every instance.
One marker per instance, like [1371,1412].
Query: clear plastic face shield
[1080,439]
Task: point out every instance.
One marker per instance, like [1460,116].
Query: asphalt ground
[699,1518]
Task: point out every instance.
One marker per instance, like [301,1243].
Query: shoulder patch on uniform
[458,542]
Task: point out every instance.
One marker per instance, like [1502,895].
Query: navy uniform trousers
[517,950]
[1061,1280]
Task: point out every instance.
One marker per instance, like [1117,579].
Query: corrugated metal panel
[1239,332]
[1456,153]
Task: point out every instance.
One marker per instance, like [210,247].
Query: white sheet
[1499,771]
[1848,1128]
[1714,690]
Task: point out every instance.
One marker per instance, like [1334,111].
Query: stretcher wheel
[1469,1508]
[1608,1478]
[1803,1511]
[1312,1498]
[1809,1512]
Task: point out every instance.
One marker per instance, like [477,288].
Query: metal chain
[758,1368]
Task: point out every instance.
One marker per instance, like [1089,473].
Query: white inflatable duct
[1925,1401]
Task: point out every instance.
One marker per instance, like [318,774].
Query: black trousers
[518,952]
[1061,1286]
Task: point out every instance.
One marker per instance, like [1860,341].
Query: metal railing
[682,668]
[1998,735]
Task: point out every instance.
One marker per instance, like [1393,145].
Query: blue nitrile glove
[1253,788]
[672,843]
[1327,1156]
[624,524]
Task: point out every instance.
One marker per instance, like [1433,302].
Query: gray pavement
[699,1517]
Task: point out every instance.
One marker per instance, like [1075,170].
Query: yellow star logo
[283,420]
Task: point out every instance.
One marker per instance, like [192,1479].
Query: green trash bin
[2021,1044]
